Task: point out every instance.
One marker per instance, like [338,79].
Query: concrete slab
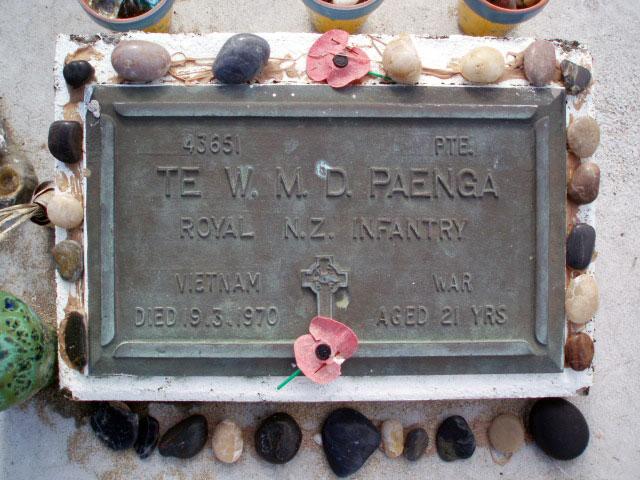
[436,53]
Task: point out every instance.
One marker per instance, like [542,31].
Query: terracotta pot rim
[540,4]
[346,7]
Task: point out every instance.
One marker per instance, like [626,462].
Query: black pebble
[558,428]
[455,440]
[185,439]
[75,340]
[580,245]
[116,426]
[416,444]
[349,439]
[241,58]
[77,73]
[65,141]
[278,438]
[148,432]
[576,77]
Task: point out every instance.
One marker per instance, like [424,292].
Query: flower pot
[155,20]
[326,16]
[481,18]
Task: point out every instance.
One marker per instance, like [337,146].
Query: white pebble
[401,60]
[65,211]
[482,65]
[227,441]
[581,300]
[392,438]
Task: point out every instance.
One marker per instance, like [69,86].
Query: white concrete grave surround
[436,53]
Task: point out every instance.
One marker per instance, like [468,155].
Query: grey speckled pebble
[241,58]
[69,258]
[540,62]
[140,61]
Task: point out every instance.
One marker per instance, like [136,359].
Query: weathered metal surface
[430,220]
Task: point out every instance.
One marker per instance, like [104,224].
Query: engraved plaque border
[544,107]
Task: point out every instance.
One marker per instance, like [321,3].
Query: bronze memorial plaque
[222,219]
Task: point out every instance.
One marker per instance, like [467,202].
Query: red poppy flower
[331,59]
[320,354]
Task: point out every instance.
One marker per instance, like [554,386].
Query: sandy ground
[49,437]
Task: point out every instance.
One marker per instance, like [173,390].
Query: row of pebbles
[348,437]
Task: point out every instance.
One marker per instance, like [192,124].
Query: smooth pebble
[140,60]
[185,439]
[241,58]
[581,302]
[506,433]
[581,243]
[74,338]
[578,351]
[576,77]
[349,439]
[416,444]
[77,73]
[540,62]
[455,440]
[584,184]
[482,65]
[227,441]
[392,438]
[65,211]
[278,438]
[401,61]
[116,425]
[559,428]
[583,136]
[65,141]
[148,433]
[68,256]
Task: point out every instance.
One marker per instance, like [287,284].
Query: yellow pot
[326,16]
[156,20]
[481,18]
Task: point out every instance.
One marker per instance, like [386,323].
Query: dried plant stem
[11,217]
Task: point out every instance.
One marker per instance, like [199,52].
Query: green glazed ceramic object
[27,351]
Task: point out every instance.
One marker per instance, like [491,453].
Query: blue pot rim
[504,17]
[146,20]
[342,13]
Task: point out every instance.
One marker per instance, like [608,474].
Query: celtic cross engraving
[324,279]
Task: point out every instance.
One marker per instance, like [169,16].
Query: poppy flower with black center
[321,353]
[331,59]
